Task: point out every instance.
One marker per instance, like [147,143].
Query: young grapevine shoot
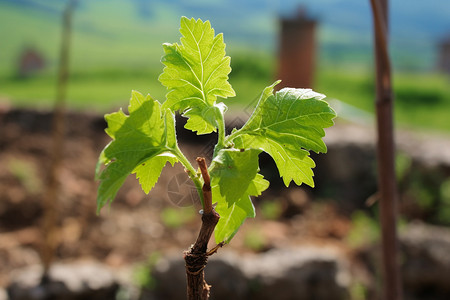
[286,124]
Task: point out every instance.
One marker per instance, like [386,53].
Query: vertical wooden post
[296,58]
[391,289]
[50,240]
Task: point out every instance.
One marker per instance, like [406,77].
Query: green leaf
[233,170]
[148,172]
[203,118]
[196,72]
[287,125]
[141,142]
[232,217]
[234,177]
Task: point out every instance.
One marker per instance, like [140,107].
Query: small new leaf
[142,143]
[203,118]
[233,171]
[287,126]
[232,217]
[234,177]
[196,73]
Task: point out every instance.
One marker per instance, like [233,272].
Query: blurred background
[116,47]
[327,45]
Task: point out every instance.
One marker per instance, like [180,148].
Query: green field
[104,90]
[110,58]
[98,39]
[422,100]
[112,52]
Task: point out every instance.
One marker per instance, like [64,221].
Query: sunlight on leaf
[196,73]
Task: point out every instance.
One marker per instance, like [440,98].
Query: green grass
[422,101]
[111,58]
[104,33]
[103,90]
[112,52]
[24,28]
[94,93]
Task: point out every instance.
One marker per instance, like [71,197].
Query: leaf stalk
[191,172]
[221,132]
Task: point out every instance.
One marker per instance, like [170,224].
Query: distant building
[444,55]
[30,61]
[297,51]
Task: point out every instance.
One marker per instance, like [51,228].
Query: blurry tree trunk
[50,241]
[391,289]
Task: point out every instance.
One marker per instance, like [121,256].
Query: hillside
[107,30]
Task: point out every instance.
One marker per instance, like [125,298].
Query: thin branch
[50,239]
[215,249]
[391,289]
[197,256]
[206,189]
[380,23]
[190,171]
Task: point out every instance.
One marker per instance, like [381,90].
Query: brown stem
[197,256]
[391,289]
[381,40]
[206,189]
[49,229]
